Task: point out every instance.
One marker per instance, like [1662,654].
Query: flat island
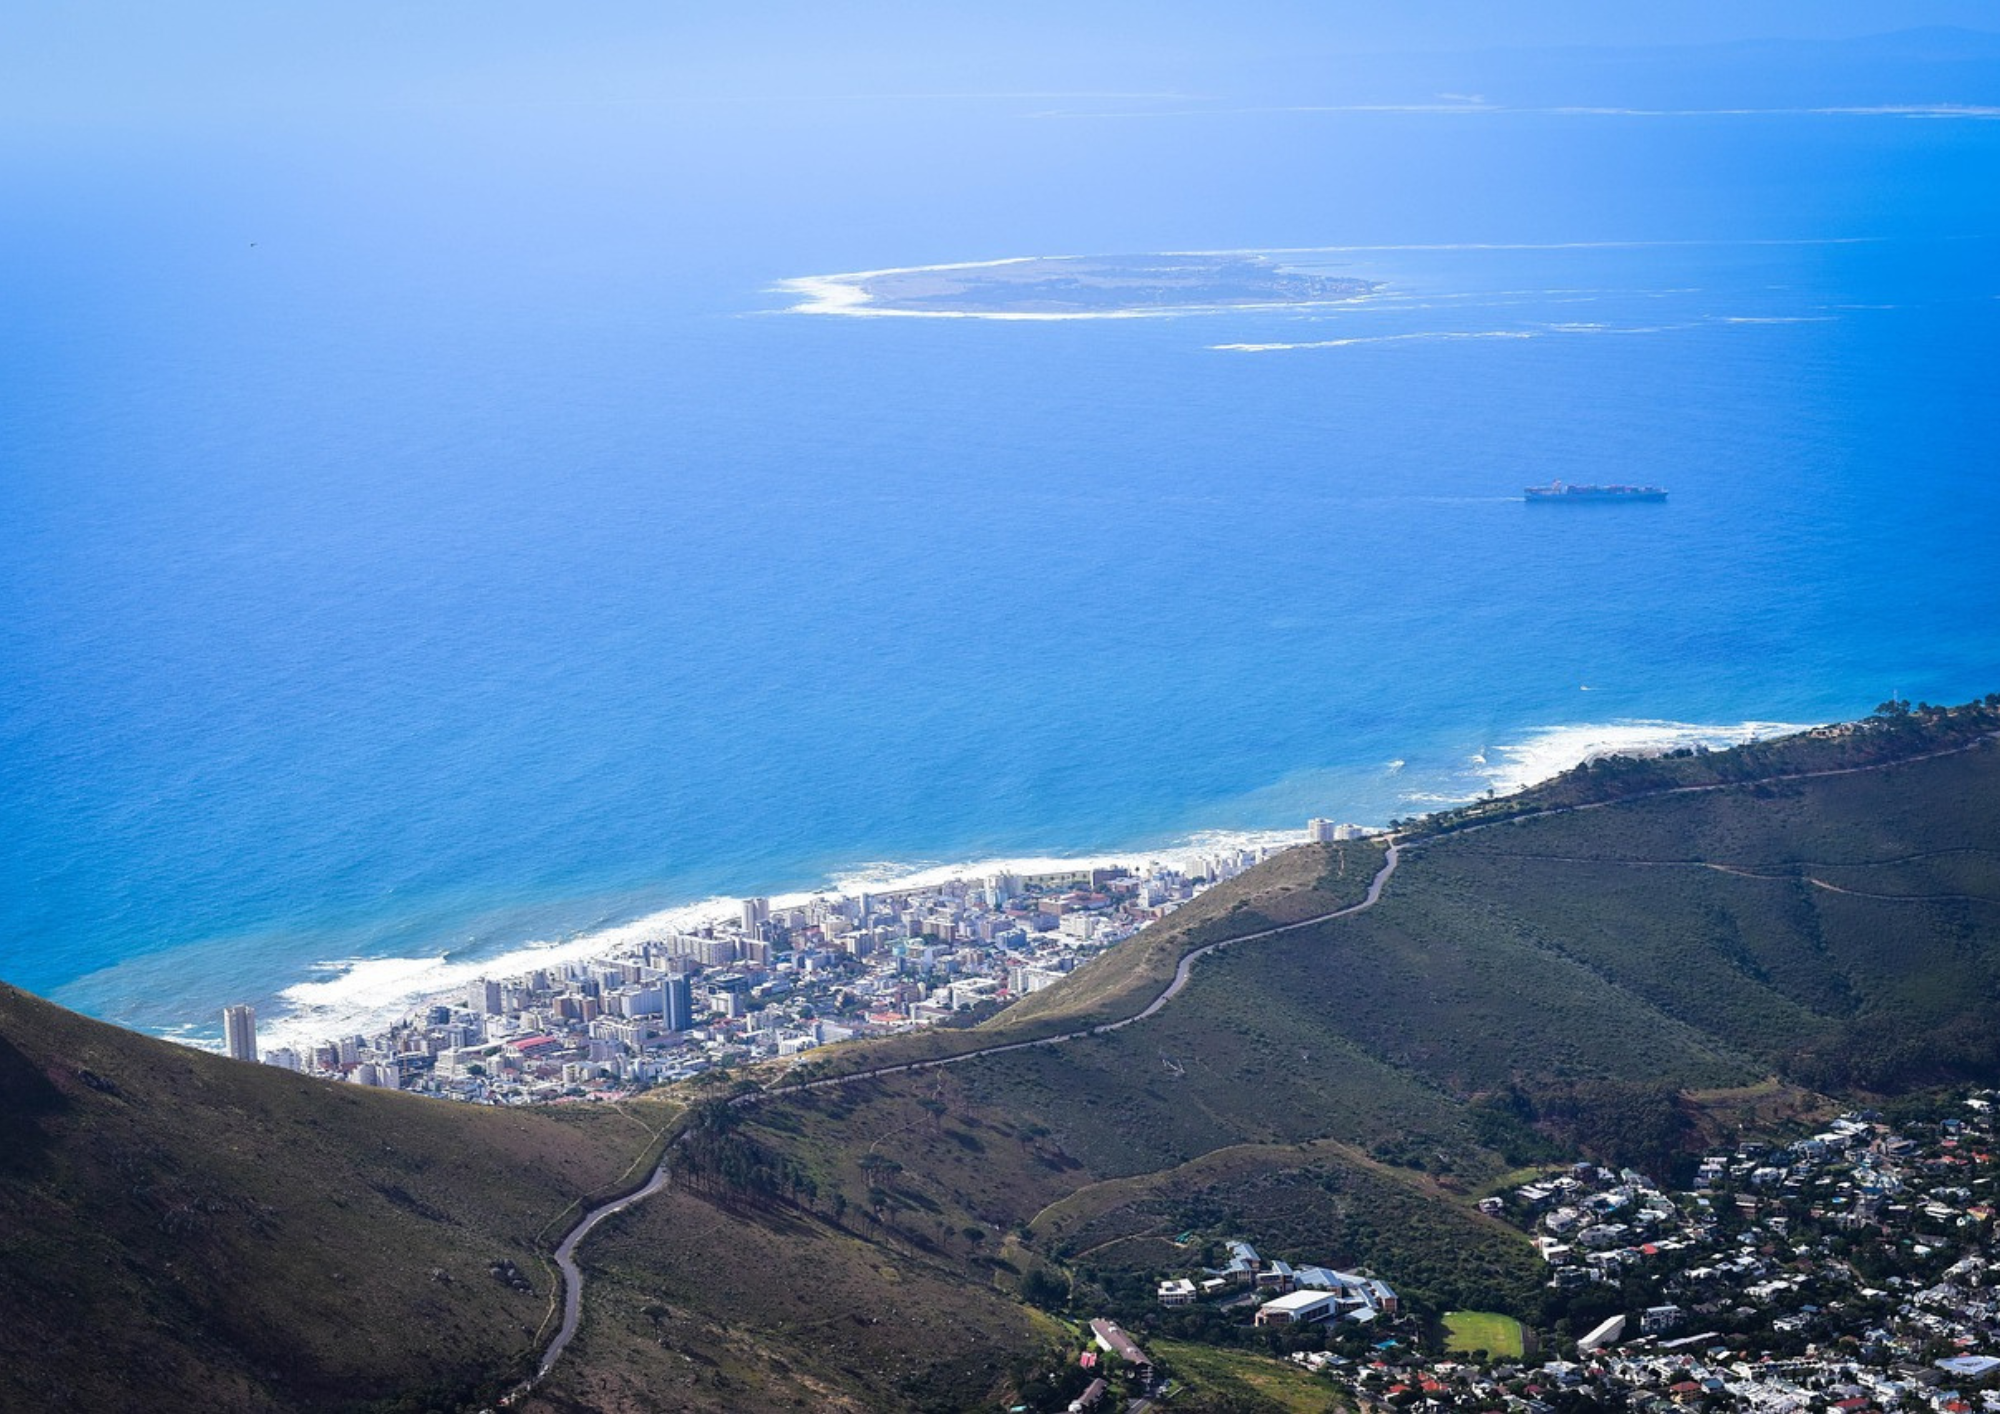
[1074,286]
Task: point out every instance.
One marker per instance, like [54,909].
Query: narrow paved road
[572,1275]
[1182,973]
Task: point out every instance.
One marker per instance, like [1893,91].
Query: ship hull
[1572,495]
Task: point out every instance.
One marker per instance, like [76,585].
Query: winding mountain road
[1173,989]
[572,1274]
[565,1255]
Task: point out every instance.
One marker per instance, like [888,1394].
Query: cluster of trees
[716,1159]
[1505,1123]
[1627,1124]
[1888,1054]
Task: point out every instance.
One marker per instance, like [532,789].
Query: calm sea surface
[427,533]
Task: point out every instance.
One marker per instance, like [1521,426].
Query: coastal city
[767,982]
[1851,1269]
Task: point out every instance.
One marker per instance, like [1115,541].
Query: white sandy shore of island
[847,294]
[839,294]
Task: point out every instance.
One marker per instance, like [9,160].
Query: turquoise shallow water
[438,540]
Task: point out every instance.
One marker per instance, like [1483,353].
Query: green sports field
[1482,1330]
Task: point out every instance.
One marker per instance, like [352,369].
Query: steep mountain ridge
[184,1231]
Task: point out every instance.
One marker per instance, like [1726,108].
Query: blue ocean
[433,531]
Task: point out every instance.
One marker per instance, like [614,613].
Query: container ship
[1560,491]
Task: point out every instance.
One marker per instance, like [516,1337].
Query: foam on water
[1378,339]
[1583,327]
[847,294]
[1547,751]
[360,996]
[365,995]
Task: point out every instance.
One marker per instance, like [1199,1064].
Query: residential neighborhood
[1851,1269]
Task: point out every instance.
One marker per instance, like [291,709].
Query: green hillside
[1623,980]
[1624,963]
[181,1231]
[1295,885]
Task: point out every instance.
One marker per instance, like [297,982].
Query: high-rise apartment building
[239,1032]
[677,1003]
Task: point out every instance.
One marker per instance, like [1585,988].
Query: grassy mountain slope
[699,1306]
[1295,885]
[1538,978]
[178,1230]
[1612,978]
[1788,921]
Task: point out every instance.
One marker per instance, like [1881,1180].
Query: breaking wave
[1548,751]
[361,996]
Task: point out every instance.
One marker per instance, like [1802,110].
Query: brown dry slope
[184,1231]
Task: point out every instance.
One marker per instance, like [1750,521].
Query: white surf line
[827,295]
[366,995]
[1352,339]
[1983,739]
[843,292]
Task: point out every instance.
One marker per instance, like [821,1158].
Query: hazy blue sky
[86,59]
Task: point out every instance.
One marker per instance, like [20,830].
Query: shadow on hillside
[774,1217]
[27,1096]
